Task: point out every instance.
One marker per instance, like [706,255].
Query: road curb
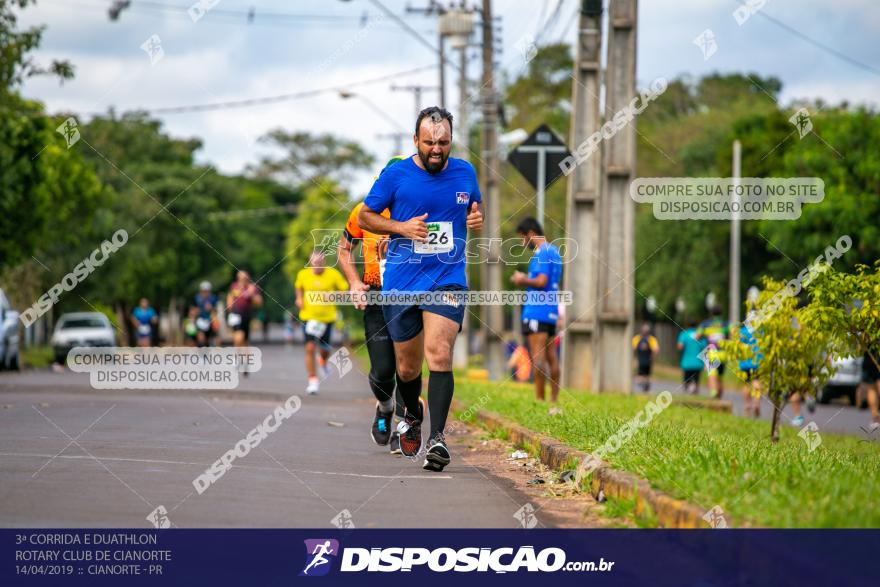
[605,482]
[714,405]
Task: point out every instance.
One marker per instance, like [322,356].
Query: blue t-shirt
[748,338]
[407,191]
[144,316]
[545,261]
[202,302]
[690,354]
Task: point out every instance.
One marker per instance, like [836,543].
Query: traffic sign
[538,159]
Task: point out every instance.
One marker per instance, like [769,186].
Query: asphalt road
[838,417]
[73,456]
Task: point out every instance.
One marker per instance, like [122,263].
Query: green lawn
[37,357]
[711,459]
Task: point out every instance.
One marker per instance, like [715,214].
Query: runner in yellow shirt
[317,318]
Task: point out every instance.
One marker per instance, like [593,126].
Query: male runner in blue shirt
[433,201]
[541,310]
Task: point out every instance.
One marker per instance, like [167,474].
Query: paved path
[74,456]
[840,418]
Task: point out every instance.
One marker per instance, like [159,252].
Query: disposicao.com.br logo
[441,560]
[318,553]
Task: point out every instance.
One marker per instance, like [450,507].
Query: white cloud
[220,59]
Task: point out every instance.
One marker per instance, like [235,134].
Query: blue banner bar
[706,558]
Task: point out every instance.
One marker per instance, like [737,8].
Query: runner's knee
[408,370]
[439,355]
[541,364]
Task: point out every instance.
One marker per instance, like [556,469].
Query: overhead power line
[819,44]
[280,97]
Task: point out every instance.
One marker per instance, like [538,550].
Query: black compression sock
[410,392]
[383,390]
[440,387]
[398,403]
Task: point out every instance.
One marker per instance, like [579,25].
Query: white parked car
[81,329]
[844,382]
[9,335]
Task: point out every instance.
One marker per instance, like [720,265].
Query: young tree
[794,347]
[851,308]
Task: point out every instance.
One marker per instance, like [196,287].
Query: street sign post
[538,159]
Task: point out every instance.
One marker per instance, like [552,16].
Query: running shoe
[313,385]
[394,443]
[797,421]
[410,430]
[323,370]
[437,456]
[381,430]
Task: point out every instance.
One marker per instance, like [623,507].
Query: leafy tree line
[688,132]
[186,222]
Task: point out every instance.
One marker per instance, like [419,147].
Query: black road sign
[539,156]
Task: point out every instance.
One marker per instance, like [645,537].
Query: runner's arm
[540,280]
[346,265]
[414,228]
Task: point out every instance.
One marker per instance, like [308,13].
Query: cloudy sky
[817,48]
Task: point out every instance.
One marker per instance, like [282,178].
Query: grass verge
[37,357]
[709,458]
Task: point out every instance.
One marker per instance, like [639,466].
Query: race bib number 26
[439,239]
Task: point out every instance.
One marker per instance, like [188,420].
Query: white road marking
[163,462]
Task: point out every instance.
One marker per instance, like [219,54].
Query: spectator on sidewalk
[520,364]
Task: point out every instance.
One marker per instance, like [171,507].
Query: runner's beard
[432,167]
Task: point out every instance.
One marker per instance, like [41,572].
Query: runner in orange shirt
[379,344]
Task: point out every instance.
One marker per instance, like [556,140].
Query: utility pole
[735,238]
[441,44]
[492,316]
[417,90]
[617,210]
[434,7]
[582,201]
[461,354]
[463,123]
[397,137]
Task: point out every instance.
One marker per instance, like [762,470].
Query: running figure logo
[801,121]
[69,131]
[706,42]
[317,552]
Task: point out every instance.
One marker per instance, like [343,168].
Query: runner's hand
[415,228]
[358,288]
[518,278]
[474,218]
